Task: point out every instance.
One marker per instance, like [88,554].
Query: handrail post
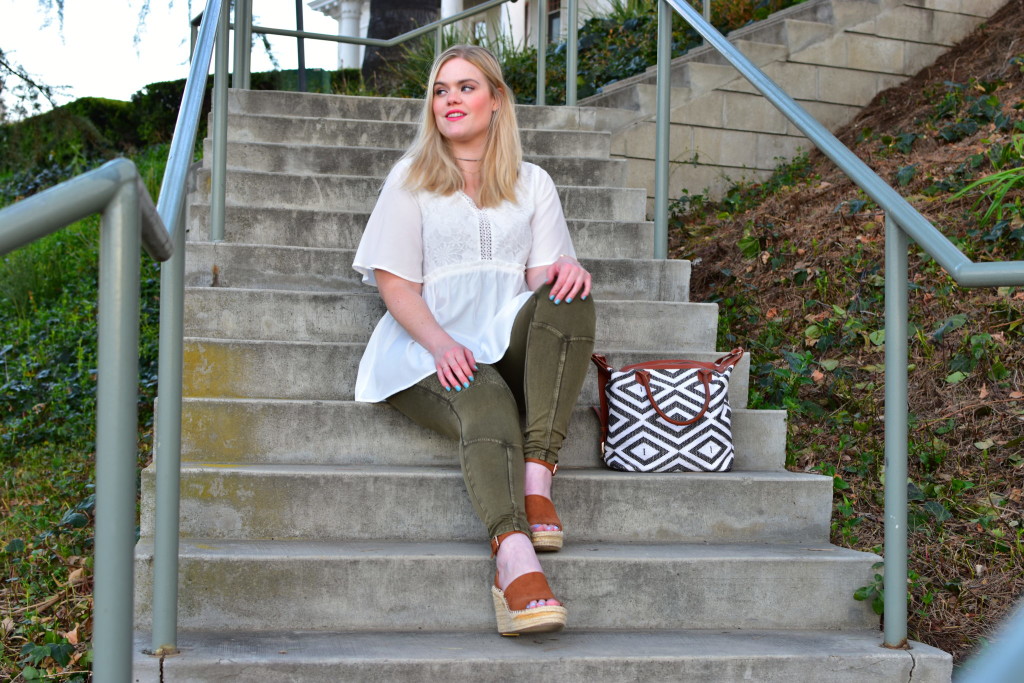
[116,433]
[438,41]
[896,328]
[243,44]
[542,51]
[218,181]
[168,451]
[571,54]
[301,47]
[662,130]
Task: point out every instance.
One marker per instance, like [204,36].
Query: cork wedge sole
[547,541]
[537,620]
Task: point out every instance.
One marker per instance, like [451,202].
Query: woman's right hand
[455,365]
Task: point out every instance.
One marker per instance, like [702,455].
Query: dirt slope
[796,267]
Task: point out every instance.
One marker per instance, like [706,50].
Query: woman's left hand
[567,279]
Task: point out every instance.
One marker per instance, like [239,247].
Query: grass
[48,360]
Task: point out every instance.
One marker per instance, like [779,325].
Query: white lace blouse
[472,264]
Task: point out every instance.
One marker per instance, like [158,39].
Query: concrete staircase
[327,540]
[831,56]
[324,540]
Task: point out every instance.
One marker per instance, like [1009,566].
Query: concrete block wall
[831,56]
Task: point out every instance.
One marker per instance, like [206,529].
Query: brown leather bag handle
[720,365]
[643,378]
[604,373]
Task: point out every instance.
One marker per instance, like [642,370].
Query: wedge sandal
[512,614]
[510,605]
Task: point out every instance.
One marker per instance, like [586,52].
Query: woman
[488,314]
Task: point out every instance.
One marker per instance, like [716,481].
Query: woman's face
[463,103]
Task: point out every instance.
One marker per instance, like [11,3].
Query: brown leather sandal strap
[527,588]
[552,468]
[540,510]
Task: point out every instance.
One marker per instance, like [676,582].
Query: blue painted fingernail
[551,298]
[558,301]
[447,388]
[584,297]
[466,384]
[569,300]
[458,388]
[471,378]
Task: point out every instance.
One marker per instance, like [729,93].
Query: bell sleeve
[550,232]
[393,238]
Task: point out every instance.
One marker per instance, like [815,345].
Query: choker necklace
[462,159]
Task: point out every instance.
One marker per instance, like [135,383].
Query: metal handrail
[129,221]
[172,298]
[903,222]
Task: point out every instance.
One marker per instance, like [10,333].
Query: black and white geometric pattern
[639,440]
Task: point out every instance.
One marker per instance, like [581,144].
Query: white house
[515,19]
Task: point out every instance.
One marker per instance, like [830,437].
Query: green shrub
[613,47]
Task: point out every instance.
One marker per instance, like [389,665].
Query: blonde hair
[433,165]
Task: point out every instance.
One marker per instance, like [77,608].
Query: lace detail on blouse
[486,249]
[484,229]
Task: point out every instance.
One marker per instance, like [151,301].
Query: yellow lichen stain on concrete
[218,431]
[212,370]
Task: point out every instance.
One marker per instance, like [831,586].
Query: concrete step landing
[572,656]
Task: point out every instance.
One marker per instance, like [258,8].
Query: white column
[364,29]
[513,22]
[450,7]
[348,25]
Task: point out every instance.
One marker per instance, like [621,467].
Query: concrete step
[329,317]
[334,160]
[640,98]
[379,585]
[241,368]
[791,33]
[791,28]
[910,24]
[756,51]
[696,656]
[251,266]
[357,193]
[276,103]
[700,77]
[368,502]
[347,433]
[396,135]
[342,230]
[977,8]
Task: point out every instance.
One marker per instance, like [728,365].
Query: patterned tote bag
[667,415]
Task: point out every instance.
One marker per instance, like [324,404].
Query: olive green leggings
[540,375]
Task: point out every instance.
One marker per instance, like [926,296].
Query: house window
[554,20]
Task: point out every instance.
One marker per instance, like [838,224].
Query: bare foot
[538,483]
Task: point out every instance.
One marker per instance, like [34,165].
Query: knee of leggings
[489,411]
[575,319]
